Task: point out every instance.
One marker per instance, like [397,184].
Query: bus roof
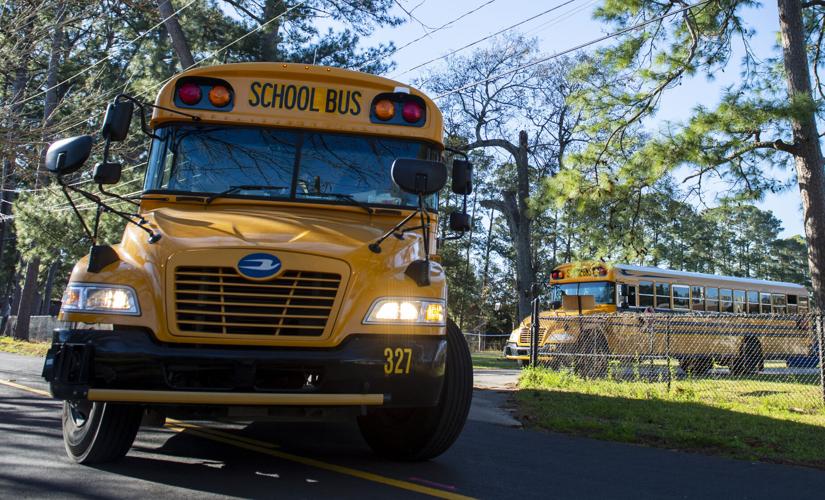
[320,98]
[651,273]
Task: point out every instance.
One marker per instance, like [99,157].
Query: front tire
[95,433]
[416,434]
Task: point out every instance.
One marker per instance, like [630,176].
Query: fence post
[819,334]
[534,333]
[667,351]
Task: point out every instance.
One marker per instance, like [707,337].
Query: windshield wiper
[347,197]
[235,189]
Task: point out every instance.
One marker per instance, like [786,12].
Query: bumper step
[233,398]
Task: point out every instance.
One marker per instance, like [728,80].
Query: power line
[551,9]
[435,30]
[111,54]
[572,49]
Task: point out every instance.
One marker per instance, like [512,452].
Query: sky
[561,29]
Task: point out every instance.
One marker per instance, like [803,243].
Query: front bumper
[513,351]
[131,365]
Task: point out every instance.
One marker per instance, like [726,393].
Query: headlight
[406,311]
[112,299]
[559,337]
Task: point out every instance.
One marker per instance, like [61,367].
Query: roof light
[384,109]
[189,94]
[219,96]
[411,112]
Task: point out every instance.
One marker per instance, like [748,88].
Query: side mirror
[419,176]
[460,222]
[116,123]
[462,177]
[67,155]
[107,173]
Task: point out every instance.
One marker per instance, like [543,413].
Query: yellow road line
[170,422]
[261,447]
[25,388]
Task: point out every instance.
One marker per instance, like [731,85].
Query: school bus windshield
[603,291]
[298,165]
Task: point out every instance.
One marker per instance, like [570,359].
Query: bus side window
[712,299]
[779,303]
[753,302]
[765,301]
[628,294]
[792,304]
[645,294]
[803,304]
[697,301]
[663,295]
[725,300]
[738,301]
[681,297]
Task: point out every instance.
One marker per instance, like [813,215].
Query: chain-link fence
[482,342]
[775,358]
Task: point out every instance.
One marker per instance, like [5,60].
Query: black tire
[416,434]
[95,433]
[750,359]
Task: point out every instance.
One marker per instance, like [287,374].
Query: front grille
[524,334]
[219,300]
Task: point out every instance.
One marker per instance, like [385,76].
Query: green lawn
[746,419]
[8,344]
[492,360]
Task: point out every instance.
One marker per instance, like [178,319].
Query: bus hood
[330,232]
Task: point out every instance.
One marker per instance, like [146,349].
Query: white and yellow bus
[697,340]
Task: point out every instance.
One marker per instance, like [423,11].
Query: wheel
[594,353]
[750,359]
[415,434]
[99,432]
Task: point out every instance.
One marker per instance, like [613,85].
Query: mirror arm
[376,245]
[115,195]
[77,212]
[457,152]
[141,106]
[130,218]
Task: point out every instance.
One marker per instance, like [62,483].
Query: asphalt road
[302,460]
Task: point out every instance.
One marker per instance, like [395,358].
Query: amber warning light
[398,108]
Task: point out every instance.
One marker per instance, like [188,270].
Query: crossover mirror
[415,176]
[116,123]
[107,173]
[462,177]
[67,155]
[459,222]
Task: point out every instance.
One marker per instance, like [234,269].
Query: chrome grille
[219,300]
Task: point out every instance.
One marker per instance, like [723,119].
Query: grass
[8,344]
[746,419]
[492,360]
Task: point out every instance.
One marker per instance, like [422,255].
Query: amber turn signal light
[384,109]
[219,96]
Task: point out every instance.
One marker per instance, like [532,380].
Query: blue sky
[559,30]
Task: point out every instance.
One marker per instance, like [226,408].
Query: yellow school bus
[771,322]
[280,261]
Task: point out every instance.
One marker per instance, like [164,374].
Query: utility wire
[572,49]
[435,30]
[551,9]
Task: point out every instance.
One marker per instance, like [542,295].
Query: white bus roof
[642,273]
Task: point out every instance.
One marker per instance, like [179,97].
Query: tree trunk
[270,37]
[47,290]
[52,74]
[807,151]
[24,312]
[176,34]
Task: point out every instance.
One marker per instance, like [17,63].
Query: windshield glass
[289,164]
[603,291]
